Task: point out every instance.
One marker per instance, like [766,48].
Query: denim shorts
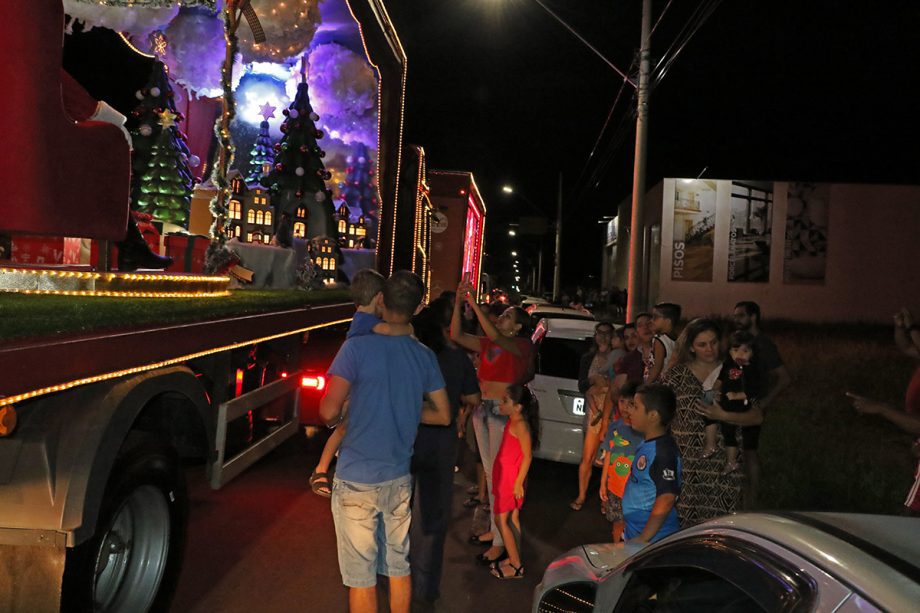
[372,529]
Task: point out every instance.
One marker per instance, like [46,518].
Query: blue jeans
[489,429]
[372,529]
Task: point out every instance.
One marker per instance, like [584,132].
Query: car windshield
[560,357]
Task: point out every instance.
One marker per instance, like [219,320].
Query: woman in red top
[505,358]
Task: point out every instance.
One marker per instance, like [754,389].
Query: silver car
[748,562]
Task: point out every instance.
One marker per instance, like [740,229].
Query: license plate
[578,406]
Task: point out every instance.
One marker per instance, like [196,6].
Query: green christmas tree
[358,189]
[164,192]
[298,178]
[262,154]
[146,127]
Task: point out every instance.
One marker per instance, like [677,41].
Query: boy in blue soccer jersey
[649,501]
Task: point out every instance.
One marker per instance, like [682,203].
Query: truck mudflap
[31,568]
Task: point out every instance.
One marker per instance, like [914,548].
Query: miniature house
[250,216]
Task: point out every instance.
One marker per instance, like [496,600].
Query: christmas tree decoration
[289,27]
[298,171]
[165,191]
[262,154]
[152,124]
[359,190]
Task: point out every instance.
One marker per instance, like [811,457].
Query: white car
[559,346]
[824,562]
[540,311]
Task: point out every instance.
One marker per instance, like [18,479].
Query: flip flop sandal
[576,506]
[320,484]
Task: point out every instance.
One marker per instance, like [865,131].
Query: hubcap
[133,553]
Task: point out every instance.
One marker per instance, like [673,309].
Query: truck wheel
[132,561]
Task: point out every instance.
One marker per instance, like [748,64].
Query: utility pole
[538,286]
[556,292]
[634,286]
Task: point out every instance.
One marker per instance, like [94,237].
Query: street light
[514,254]
[508,189]
[512,233]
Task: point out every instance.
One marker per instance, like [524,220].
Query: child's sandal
[708,453]
[498,571]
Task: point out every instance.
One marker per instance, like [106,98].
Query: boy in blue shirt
[367,292]
[649,501]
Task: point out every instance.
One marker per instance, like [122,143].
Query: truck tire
[132,561]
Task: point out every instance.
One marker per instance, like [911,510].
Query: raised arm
[505,342]
[467,341]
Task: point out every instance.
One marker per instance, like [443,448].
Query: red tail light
[318,382]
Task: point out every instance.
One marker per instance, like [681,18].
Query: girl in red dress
[509,474]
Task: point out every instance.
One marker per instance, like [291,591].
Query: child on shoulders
[367,292]
[650,497]
[620,443]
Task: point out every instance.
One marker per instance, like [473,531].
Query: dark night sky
[780,89]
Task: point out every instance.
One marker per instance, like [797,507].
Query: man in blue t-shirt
[385,379]
[649,502]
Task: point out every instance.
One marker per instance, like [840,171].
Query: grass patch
[30,316]
[817,452]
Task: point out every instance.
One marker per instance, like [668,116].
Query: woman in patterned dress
[705,492]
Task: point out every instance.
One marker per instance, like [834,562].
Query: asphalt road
[265,542]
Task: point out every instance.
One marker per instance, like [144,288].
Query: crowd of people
[721,384]
[408,383]
[673,422]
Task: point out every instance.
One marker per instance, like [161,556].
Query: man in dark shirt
[772,378]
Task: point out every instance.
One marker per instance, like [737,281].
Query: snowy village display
[222,71]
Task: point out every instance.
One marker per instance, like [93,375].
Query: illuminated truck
[103,397]
[458,222]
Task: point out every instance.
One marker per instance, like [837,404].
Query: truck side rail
[31,369]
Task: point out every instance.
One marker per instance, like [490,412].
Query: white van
[559,346]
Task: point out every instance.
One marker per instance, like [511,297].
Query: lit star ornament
[267,111]
[167,119]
